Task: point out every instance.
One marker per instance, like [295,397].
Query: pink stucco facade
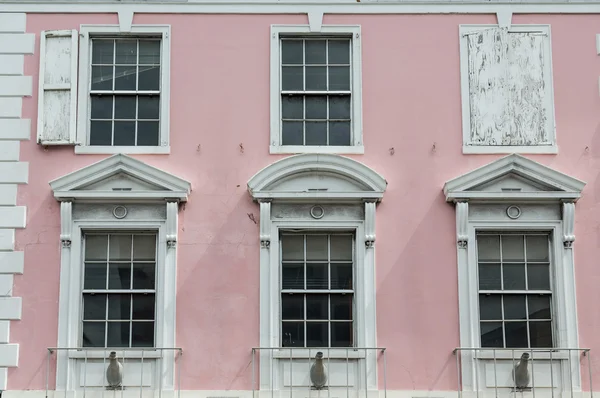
[219,138]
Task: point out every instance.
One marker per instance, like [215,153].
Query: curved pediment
[323,176]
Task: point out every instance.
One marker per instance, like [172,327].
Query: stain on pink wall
[220,99]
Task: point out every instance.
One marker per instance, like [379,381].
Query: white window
[507,90]
[316,90]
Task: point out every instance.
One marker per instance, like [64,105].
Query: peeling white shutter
[57,92]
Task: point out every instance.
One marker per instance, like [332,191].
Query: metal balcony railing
[146,372]
[284,372]
[552,372]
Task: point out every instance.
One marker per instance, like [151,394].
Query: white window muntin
[351,32]
[90,32]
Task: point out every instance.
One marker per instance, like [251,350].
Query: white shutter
[57,92]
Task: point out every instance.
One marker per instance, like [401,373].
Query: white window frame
[353,32]
[469,148]
[87,33]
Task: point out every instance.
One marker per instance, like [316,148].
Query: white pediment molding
[513,177]
[317,176]
[120,177]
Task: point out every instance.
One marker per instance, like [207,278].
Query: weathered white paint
[15,86]
[10,262]
[9,150]
[11,64]
[57,92]
[14,129]
[507,88]
[16,43]
[10,308]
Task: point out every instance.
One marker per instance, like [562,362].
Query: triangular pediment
[120,177]
[323,177]
[513,177]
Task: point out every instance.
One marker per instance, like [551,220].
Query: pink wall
[220,98]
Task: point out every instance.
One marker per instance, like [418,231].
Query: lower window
[317,289]
[119,289]
[515,289]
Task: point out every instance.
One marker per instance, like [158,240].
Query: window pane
[316,78]
[125,107]
[292,275]
[490,307]
[102,51]
[118,334]
[538,276]
[315,52]
[490,276]
[148,134]
[339,52]
[144,247]
[292,306]
[148,107]
[316,107]
[488,248]
[119,306]
[316,247]
[292,133]
[291,51]
[119,276]
[100,133]
[339,78]
[537,248]
[292,107]
[514,276]
[96,247]
[513,248]
[126,52]
[149,78]
[339,107]
[341,307]
[124,133]
[339,133]
[143,276]
[94,307]
[491,334]
[102,107]
[341,334]
[94,276]
[317,306]
[149,52]
[316,276]
[317,334]
[316,133]
[292,334]
[341,275]
[516,334]
[292,247]
[125,77]
[102,78]
[143,307]
[514,306]
[541,334]
[120,247]
[341,247]
[292,78]
[539,307]
[142,334]
[93,334]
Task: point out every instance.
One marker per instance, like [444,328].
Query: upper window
[507,94]
[315,97]
[515,294]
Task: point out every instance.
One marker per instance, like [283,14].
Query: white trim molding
[316,192]
[514,193]
[121,193]
[14,45]
[316,29]
[124,29]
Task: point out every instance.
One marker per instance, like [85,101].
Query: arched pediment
[312,176]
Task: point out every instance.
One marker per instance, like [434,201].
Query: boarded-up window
[509,88]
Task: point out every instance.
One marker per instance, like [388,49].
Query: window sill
[332,353]
[498,149]
[133,150]
[516,354]
[100,354]
[294,149]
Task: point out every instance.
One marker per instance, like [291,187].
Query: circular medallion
[317,212]
[513,212]
[120,212]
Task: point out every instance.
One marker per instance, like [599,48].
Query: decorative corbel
[462,220]
[172,210]
[370,223]
[568,224]
[265,224]
[66,223]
